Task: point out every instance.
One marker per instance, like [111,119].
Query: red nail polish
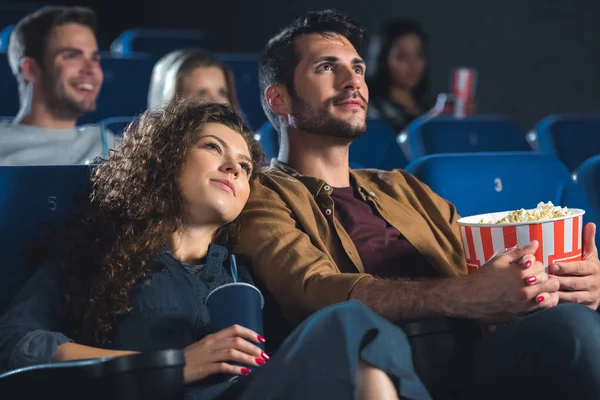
[260,361]
[528,264]
[261,339]
[540,299]
[245,371]
[265,356]
[532,279]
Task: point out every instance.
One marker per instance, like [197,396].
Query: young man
[54,56]
[318,233]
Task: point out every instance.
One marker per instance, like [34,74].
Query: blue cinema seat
[480,133]
[570,138]
[479,183]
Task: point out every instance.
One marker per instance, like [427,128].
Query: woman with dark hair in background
[191,73]
[398,78]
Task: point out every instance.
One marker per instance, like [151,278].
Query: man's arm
[498,291]
[304,279]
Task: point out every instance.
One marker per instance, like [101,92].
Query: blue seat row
[34,198]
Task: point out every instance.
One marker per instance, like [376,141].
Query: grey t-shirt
[30,145]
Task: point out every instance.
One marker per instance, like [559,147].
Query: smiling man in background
[54,56]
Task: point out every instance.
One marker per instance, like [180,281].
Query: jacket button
[327,188]
[328,211]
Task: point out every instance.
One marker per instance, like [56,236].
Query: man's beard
[61,104]
[321,122]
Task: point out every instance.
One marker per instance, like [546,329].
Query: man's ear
[30,70]
[279,100]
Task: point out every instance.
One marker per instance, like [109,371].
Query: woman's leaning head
[191,74]
[168,160]
[185,163]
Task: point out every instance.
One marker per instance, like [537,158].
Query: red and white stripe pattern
[559,241]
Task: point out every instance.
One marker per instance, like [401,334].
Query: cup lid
[262,299]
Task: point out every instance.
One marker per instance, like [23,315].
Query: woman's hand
[213,354]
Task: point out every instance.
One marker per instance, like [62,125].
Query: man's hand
[580,280]
[511,283]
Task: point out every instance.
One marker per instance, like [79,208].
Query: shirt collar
[315,185]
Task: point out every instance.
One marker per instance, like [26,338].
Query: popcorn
[543,211]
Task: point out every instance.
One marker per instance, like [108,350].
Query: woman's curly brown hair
[135,208]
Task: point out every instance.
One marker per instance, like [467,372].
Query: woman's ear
[279,100]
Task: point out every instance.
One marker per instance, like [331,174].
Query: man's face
[71,76]
[330,96]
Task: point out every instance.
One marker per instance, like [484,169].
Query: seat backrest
[480,133]
[480,183]
[572,139]
[125,88]
[5,37]
[377,148]
[158,42]
[116,125]
[9,90]
[32,201]
[588,178]
[245,72]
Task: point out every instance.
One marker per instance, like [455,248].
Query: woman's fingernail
[527,263]
[260,361]
[532,279]
[245,371]
[541,299]
[555,269]
[265,356]
[261,339]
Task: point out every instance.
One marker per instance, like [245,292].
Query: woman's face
[206,84]
[406,61]
[215,178]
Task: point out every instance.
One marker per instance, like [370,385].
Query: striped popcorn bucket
[560,239]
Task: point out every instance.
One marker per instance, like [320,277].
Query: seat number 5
[52,203]
[498,185]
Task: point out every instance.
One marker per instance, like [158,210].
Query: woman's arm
[74,351]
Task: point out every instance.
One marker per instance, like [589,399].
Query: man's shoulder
[393,177]
[272,177]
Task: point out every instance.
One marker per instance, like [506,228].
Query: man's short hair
[279,58]
[31,34]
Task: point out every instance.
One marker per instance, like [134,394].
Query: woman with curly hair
[148,248]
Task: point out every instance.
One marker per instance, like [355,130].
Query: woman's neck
[401,95]
[190,244]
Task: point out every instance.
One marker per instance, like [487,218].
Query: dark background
[535,57]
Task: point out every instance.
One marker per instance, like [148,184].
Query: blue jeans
[549,354]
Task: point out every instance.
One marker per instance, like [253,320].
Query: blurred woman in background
[398,78]
[193,74]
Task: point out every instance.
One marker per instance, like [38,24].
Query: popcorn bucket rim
[468,221]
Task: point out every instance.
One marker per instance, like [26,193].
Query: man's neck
[190,244]
[324,157]
[40,116]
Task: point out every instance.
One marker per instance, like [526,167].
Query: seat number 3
[498,185]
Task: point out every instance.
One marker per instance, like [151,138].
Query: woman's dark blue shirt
[169,310]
